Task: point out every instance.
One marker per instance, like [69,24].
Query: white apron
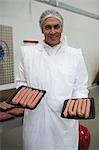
[63,75]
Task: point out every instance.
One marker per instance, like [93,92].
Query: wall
[16,14]
[81,31]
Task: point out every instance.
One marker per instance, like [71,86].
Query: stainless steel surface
[6,126]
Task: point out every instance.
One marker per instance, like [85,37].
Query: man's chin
[53,44]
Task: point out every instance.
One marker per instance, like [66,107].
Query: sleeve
[21,76]
[80,85]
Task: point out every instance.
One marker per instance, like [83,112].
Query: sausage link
[33,104]
[28,98]
[80,100]
[32,98]
[88,104]
[75,107]
[83,106]
[25,96]
[70,109]
[18,94]
[66,109]
[21,95]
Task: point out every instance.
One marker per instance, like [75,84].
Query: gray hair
[50,13]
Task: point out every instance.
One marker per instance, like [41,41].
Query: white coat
[63,75]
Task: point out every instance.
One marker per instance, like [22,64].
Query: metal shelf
[5,126]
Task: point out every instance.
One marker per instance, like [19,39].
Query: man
[60,70]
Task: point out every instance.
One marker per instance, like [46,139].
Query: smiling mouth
[53,38]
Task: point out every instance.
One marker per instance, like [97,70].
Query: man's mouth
[53,37]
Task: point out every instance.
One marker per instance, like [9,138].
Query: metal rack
[5,126]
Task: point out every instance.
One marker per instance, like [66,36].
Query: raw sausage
[83,107]
[25,96]
[21,95]
[66,109]
[28,98]
[33,104]
[88,104]
[17,95]
[75,107]
[80,100]
[32,98]
[70,109]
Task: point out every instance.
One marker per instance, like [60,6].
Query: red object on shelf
[84,137]
[30,41]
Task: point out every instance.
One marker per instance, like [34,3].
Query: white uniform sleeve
[21,78]
[80,85]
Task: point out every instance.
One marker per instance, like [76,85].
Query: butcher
[59,69]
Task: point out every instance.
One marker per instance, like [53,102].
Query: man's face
[52,30]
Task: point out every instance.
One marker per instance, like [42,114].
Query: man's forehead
[51,21]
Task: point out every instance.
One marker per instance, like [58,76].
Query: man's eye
[57,26]
[47,27]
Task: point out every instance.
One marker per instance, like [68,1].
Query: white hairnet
[50,13]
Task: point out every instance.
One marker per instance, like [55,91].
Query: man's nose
[52,30]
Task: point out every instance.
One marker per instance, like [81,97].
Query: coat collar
[62,47]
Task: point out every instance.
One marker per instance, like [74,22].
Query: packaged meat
[19,95]
[92,109]
[4,106]
[36,101]
[28,98]
[25,96]
[16,112]
[27,93]
[5,116]
[33,98]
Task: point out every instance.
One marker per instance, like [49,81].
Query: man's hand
[79,107]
